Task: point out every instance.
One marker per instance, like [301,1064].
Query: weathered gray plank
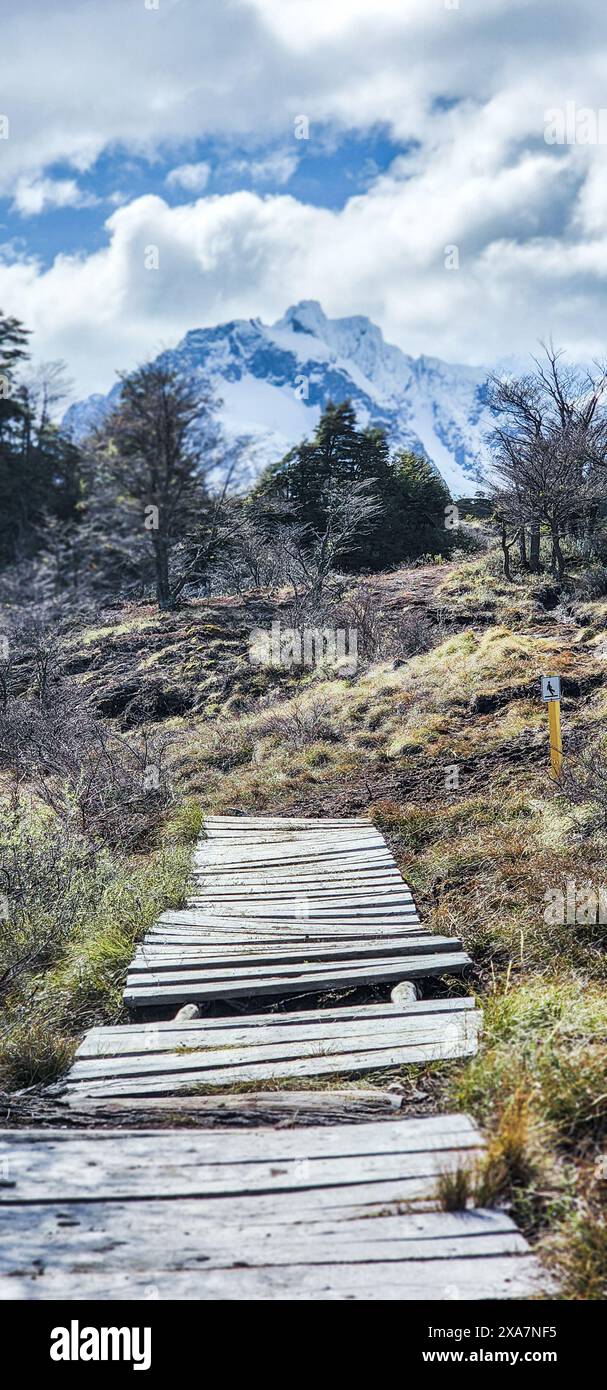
[317,897]
[229,819]
[237,1027]
[170,1072]
[47,1165]
[439,1029]
[279,873]
[287,928]
[188,955]
[509,1277]
[114,1231]
[217,853]
[165,1080]
[235,939]
[299,1040]
[299,902]
[142,991]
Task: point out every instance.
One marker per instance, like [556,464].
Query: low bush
[70,920]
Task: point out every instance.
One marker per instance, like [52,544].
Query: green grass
[91,916]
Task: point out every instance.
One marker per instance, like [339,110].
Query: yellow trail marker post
[551,694]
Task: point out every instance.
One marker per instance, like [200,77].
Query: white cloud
[276,169]
[102,75]
[36,195]
[193,178]
[469,87]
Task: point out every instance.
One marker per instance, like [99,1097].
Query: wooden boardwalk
[234,1208]
[260,1214]
[287,907]
[280,908]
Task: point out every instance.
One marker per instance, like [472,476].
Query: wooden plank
[167,1078]
[165,1074]
[349,852]
[287,1042]
[164,988]
[222,929]
[509,1277]
[214,914]
[352,835]
[63,1166]
[278,1042]
[304,822]
[259,937]
[331,873]
[348,904]
[194,1231]
[251,1107]
[247,1025]
[289,935]
[326,883]
[300,909]
[210,1047]
[225,972]
[293,837]
[165,957]
[272,1062]
[417,1134]
[353,896]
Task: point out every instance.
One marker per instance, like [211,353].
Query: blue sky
[324,173]
[173,124]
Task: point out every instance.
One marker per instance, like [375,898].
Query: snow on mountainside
[273,382]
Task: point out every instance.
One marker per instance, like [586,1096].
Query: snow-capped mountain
[273,382]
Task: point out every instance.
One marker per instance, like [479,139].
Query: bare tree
[156,447]
[348,514]
[549,444]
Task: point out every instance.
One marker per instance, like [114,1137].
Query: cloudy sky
[166,164]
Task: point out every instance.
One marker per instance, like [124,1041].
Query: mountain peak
[273,381]
[307,316]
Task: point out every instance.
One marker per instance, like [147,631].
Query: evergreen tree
[411,496]
[420,497]
[39,465]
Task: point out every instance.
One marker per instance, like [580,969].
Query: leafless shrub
[414,632]
[110,788]
[583,779]
[592,583]
[384,633]
[300,723]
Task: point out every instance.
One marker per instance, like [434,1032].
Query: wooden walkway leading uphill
[279,908]
[289,907]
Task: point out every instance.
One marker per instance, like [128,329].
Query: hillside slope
[441,737]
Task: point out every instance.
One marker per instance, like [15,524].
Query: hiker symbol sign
[551,687]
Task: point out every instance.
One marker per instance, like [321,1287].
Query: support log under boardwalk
[255,1214]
